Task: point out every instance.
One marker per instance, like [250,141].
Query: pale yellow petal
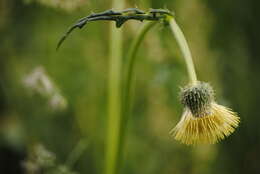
[207,129]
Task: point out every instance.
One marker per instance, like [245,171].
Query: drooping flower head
[203,120]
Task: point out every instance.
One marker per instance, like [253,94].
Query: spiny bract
[203,120]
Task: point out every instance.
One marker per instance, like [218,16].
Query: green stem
[114,96]
[128,85]
[129,73]
[76,153]
[184,49]
[117,124]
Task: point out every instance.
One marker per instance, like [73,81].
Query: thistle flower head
[198,98]
[203,120]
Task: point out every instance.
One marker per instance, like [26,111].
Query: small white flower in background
[67,5]
[39,82]
[57,101]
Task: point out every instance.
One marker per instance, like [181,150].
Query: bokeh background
[53,105]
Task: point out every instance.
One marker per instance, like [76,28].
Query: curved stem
[184,49]
[129,74]
[119,113]
[131,58]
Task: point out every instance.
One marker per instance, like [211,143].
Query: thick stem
[184,49]
[114,96]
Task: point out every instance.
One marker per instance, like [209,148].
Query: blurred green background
[53,105]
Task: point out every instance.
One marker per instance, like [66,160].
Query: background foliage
[53,104]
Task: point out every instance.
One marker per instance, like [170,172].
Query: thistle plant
[119,17]
[203,120]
